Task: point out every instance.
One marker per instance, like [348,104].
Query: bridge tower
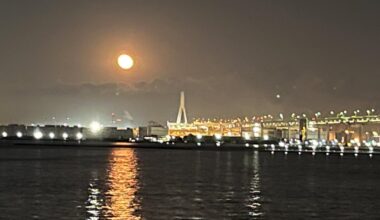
[182,109]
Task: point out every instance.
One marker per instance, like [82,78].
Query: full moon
[125,61]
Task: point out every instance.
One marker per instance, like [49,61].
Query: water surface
[122,183]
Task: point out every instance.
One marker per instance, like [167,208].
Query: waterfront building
[341,128]
[153,129]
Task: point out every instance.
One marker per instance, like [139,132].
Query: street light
[51,135]
[65,135]
[95,127]
[38,134]
[19,134]
[79,136]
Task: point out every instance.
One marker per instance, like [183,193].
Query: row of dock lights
[95,127]
[314,145]
[38,135]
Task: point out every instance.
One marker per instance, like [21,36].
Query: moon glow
[125,61]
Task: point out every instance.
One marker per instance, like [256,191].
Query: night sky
[58,58]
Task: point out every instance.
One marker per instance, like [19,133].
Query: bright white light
[4,134]
[374,143]
[247,137]
[199,136]
[370,149]
[38,134]
[265,137]
[51,135]
[218,144]
[19,134]
[314,143]
[79,135]
[95,127]
[281,144]
[314,147]
[356,149]
[65,135]
[218,136]
[247,145]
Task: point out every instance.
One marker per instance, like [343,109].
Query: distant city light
[199,136]
[278,96]
[4,134]
[247,136]
[65,135]
[51,135]
[95,127]
[38,134]
[79,136]
[218,136]
[19,134]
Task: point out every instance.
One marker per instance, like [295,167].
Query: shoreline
[33,144]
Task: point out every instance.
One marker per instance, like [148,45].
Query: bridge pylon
[182,109]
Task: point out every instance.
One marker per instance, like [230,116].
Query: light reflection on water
[190,194]
[119,200]
[255,193]
[104,183]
